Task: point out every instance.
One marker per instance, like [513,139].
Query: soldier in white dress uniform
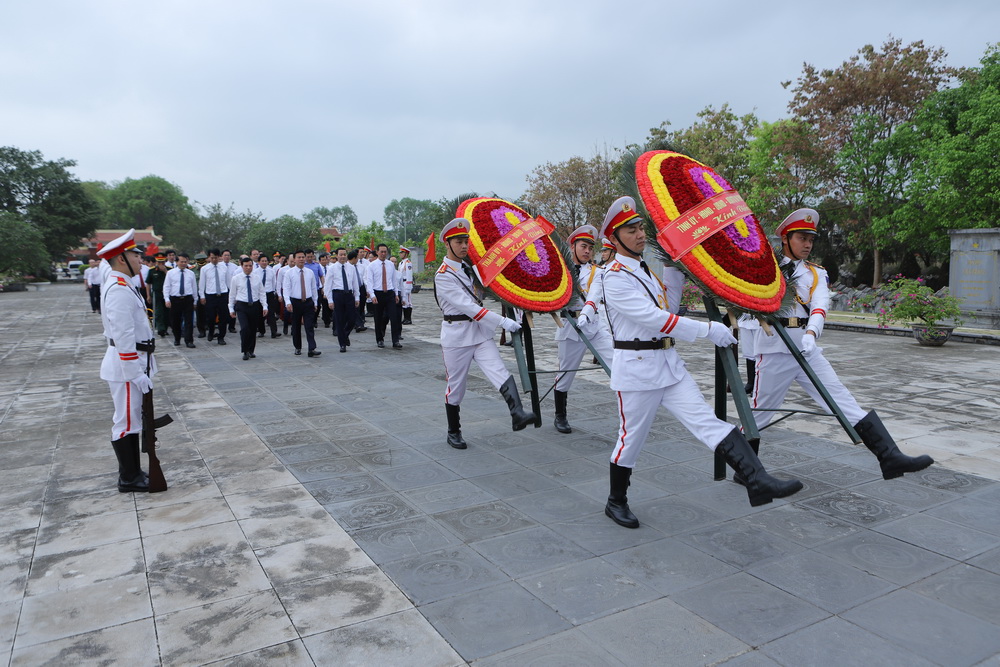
[571,347]
[646,371]
[777,368]
[129,355]
[467,333]
[405,270]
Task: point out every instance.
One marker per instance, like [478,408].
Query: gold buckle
[793,322]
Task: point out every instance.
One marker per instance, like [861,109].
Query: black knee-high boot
[761,487]
[561,423]
[617,507]
[130,475]
[519,417]
[454,426]
[751,376]
[878,441]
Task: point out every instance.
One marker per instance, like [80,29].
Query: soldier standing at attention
[467,334]
[571,347]
[647,372]
[776,368]
[405,270]
[128,365]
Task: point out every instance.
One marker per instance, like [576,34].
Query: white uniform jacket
[454,292]
[405,275]
[586,276]
[812,291]
[637,307]
[123,313]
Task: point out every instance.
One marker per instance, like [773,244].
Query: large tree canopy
[149,201]
[572,193]
[342,217]
[45,195]
[284,234]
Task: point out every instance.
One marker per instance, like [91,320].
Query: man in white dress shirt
[341,288]
[269,280]
[298,293]
[646,371]
[383,283]
[248,304]
[179,291]
[213,290]
[92,284]
[467,334]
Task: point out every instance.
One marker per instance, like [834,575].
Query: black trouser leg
[395,318]
[309,322]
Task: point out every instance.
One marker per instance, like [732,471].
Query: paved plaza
[316,516]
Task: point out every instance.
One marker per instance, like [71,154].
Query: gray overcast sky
[280,107]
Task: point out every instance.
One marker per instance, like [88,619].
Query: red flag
[372,245]
[326,244]
[152,249]
[431,254]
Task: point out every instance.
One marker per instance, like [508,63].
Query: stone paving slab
[316,516]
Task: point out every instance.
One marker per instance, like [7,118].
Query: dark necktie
[343,274]
[302,282]
[249,291]
[182,282]
[263,279]
[645,267]
[218,288]
[384,287]
[467,270]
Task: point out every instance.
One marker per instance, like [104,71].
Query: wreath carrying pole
[726,372]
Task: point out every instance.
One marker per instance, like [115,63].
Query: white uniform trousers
[637,409]
[777,370]
[405,300]
[457,361]
[128,409]
[571,353]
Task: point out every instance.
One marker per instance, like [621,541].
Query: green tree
[407,219]
[783,176]
[854,111]
[362,236]
[955,181]
[342,217]
[572,193]
[225,228]
[719,139]
[283,234]
[150,201]
[31,254]
[47,196]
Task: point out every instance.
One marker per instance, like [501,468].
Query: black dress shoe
[246,356]
[222,341]
[276,335]
[298,352]
[380,344]
[162,334]
[191,345]
[177,343]
[348,342]
[314,353]
[397,346]
[232,329]
[253,356]
[343,348]
[201,334]
[260,335]
[211,337]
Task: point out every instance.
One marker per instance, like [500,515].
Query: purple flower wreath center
[537,269]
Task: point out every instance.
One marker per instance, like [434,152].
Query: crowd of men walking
[209,296]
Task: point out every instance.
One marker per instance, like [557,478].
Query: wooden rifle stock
[157,482]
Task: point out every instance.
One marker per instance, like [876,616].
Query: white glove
[583,320]
[144,383]
[719,334]
[808,344]
[510,325]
